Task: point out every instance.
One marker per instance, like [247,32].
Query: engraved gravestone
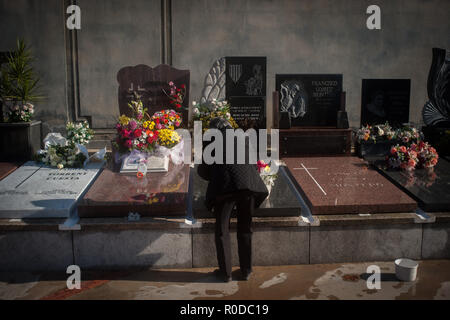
[152,85]
[346,185]
[245,89]
[37,191]
[385,100]
[312,100]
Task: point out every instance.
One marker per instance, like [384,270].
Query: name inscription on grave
[344,185]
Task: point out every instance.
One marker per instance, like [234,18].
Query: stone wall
[320,36]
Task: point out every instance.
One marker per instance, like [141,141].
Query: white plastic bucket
[406,269]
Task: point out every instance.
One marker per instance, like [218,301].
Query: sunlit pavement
[326,281]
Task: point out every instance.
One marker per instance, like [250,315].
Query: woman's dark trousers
[245,207]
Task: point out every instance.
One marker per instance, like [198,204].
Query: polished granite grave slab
[346,185]
[157,194]
[282,202]
[431,189]
[37,191]
[6,168]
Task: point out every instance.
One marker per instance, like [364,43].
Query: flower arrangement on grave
[168,138]
[265,174]
[428,156]
[408,135]
[70,152]
[141,135]
[166,119]
[79,132]
[176,95]
[376,133]
[137,132]
[204,112]
[403,158]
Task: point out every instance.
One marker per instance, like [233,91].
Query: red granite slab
[6,168]
[158,194]
[338,185]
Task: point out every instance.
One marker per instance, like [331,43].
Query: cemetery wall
[296,36]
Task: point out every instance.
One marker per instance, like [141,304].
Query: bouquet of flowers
[264,172]
[20,113]
[408,135]
[168,138]
[68,152]
[136,132]
[204,112]
[79,132]
[375,133]
[165,119]
[176,95]
[402,157]
[428,157]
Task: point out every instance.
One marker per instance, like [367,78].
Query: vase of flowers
[20,135]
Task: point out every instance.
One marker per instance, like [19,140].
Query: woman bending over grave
[230,186]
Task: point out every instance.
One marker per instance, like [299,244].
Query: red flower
[178,105]
[183,86]
[137,133]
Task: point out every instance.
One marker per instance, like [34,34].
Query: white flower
[194,103]
[60,166]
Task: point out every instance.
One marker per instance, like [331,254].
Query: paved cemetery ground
[325,281]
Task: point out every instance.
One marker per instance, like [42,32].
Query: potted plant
[20,135]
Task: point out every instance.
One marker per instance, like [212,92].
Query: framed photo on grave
[312,100]
[385,100]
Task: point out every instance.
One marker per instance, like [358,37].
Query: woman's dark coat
[227,180]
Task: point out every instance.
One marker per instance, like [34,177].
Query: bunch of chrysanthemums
[208,110]
[144,133]
[64,152]
[20,113]
[417,155]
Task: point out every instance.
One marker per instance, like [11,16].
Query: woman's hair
[220,123]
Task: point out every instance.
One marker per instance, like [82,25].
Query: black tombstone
[385,100]
[245,90]
[312,100]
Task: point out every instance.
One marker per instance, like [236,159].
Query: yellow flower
[151,126]
[123,119]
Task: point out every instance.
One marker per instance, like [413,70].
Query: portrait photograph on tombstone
[224,159]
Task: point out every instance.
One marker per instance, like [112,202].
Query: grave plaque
[245,89]
[152,84]
[312,100]
[37,191]
[385,100]
[157,194]
[248,112]
[346,185]
[431,189]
